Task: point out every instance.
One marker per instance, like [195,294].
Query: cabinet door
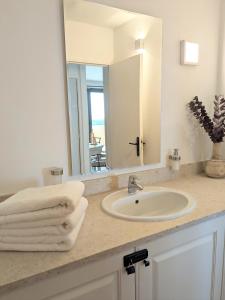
[184,265]
[102,280]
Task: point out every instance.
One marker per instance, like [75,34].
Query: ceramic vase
[215,167]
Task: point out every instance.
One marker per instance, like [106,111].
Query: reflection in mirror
[114,84]
[86,95]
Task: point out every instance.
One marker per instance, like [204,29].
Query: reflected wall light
[139,45]
[189,53]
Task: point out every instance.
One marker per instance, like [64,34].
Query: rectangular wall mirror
[113,60]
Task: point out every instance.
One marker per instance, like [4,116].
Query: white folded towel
[64,244]
[54,226]
[41,203]
[59,197]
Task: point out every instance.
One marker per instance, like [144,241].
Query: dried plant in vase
[215,128]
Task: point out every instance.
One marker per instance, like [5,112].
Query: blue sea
[98,122]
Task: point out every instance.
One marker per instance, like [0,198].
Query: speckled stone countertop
[102,234]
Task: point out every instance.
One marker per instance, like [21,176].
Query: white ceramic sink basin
[151,204]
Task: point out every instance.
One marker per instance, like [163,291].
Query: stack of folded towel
[43,219]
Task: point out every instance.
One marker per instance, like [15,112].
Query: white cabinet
[184,265]
[102,280]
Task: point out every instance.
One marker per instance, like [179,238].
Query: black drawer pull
[146,263]
[131,259]
[130,270]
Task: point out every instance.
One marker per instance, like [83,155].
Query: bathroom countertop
[102,234]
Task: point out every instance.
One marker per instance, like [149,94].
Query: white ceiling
[96,14]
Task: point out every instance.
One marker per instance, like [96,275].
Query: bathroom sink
[151,204]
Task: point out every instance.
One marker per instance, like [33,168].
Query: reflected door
[74,118]
[124,113]
[78,117]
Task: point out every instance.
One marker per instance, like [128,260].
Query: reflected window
[86,93]
[96,118]
[96,114]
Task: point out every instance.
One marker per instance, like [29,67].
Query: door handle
[137,144]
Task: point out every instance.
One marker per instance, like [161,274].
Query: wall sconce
[189,53]
[139,45]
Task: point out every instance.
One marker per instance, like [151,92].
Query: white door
[78,118]
[105,279]
[72,82]
[186,265]
[124,113]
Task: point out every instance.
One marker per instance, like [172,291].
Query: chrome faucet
[133,186]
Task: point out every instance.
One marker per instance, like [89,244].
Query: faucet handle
[133,179]
[133,185]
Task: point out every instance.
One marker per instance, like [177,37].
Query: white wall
[221,67]
[151,110]
[126,34]
[88,43]
[32,81]
[32,92]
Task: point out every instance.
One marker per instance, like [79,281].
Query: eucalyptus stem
[215,128]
